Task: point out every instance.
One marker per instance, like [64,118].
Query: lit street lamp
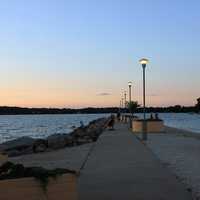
[144,62]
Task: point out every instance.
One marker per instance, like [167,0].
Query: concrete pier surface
[121,167]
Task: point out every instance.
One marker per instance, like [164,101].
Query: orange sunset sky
[79,54]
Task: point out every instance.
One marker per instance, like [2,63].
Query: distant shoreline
[6,110]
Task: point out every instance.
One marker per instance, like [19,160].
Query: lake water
[40,126]
[186,121]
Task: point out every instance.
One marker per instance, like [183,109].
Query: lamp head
[129,83]
[144,62]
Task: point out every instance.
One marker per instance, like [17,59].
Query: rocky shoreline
[79,136]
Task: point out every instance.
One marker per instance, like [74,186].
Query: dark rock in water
[17,143]
[79,132]
[69,139]
[59,141]
[81,135]
[18,147]
[89,133]
[40,145]
[56,141]
[19,151]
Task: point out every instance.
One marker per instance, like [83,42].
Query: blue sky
[60,53]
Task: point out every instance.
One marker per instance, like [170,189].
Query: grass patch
[10,170]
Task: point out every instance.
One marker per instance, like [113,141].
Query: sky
[80,53]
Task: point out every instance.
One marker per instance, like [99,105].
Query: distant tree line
[5,110]
[23,111]
[197,106]
[170,109]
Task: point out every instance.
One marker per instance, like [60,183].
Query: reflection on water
[39,126]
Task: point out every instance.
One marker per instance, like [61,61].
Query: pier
[120,166]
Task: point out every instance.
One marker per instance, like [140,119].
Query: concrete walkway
[121,167]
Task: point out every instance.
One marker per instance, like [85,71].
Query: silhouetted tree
[132,106]
[198,105]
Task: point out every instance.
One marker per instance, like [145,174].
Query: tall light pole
[144,62]
[125,99]
[130,118]
[122,104]
[129,86]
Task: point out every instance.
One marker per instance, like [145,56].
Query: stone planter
[62,188]
[153,126]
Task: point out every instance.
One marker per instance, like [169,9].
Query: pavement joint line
[87,157]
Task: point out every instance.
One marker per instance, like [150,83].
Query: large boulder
[17,143]
[69,139]
[56,141]
[79,132]
[40,145]
[59,141]
[81,135]
[18,146]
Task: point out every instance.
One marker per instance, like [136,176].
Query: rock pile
[81,135]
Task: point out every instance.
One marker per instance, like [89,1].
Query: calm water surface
[40,126]
[186,121]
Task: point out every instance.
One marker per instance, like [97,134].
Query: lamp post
[144,62]
[130,117]
[122,104]
[129,86]
[125,99]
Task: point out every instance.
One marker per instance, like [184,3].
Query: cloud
[104,94]
[152,95]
